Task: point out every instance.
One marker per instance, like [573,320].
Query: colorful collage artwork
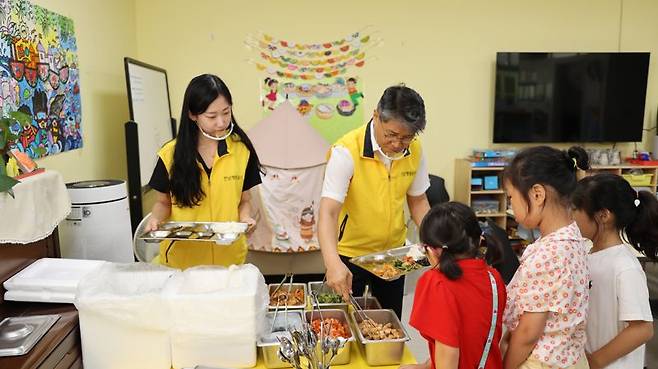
[39,76]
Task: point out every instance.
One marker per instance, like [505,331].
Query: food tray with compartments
[223,233]
[393,263]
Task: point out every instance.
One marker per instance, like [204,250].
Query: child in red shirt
[454,302]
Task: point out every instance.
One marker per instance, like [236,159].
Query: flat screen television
[570,97]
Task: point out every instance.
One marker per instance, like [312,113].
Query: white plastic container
[123,321]
[216,316]
[49,280]
[98,226]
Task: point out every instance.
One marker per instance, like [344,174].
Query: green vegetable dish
[329,298]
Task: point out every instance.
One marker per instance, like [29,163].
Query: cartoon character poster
[321,80]
[39,76]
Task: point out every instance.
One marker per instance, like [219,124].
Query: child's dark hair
[351,79]
[270,81]
[546,166]
[454,227]
[612,192]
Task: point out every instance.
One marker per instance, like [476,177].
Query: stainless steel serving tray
[372,262]
[222,233]
[18,335]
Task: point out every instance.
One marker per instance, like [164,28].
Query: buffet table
[358,360]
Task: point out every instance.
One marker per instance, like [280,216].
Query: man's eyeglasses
[406,140]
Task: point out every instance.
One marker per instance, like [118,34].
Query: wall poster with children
[320,79]
[39,76]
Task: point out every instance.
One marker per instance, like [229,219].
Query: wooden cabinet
[60,347]
[465,172]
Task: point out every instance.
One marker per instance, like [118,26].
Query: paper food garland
[286,59]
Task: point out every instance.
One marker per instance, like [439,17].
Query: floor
[417,345]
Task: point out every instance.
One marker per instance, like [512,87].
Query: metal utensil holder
[303,342]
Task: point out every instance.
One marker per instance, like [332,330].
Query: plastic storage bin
[491,183]
[123,322]
[216,315]
[638,179]
[485,206]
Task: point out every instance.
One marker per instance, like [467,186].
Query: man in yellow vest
[371,172]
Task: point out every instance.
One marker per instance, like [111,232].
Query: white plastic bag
[123,322]
[217,314]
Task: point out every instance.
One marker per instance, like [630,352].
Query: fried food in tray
[372,330]
[391,264]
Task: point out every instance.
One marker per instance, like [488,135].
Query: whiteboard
[148,96]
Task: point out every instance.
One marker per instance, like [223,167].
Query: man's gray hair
[404,104]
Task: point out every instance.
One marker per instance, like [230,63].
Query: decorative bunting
[287,59]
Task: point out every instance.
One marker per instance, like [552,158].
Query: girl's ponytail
[642,232]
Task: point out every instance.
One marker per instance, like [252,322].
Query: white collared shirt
[340,169]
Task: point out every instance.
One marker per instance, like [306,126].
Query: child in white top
[619,320]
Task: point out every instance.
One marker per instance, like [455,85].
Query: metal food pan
[320,287]
[381,352]
[344,354]
[371,303]
[284,287]
[269,346]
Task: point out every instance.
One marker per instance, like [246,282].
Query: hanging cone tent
[285,205]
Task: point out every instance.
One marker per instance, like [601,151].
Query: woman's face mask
[228,133]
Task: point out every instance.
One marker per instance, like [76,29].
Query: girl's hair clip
[637,198]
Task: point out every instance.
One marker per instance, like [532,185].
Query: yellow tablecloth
[358,360]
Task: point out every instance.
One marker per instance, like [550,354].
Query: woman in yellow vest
[371,173]
[204,175]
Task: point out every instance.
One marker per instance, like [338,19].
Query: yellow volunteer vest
[222,196]
[372,217]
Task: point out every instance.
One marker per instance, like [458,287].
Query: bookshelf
[464,193]
[647,172]
[464,172]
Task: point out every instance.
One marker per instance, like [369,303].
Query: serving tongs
[278,300]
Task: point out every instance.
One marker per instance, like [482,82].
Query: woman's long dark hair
[612,192]
[185,176]
[454,227]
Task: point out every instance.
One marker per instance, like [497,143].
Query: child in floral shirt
[548,297]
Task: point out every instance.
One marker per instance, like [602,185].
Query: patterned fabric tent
[286,204]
